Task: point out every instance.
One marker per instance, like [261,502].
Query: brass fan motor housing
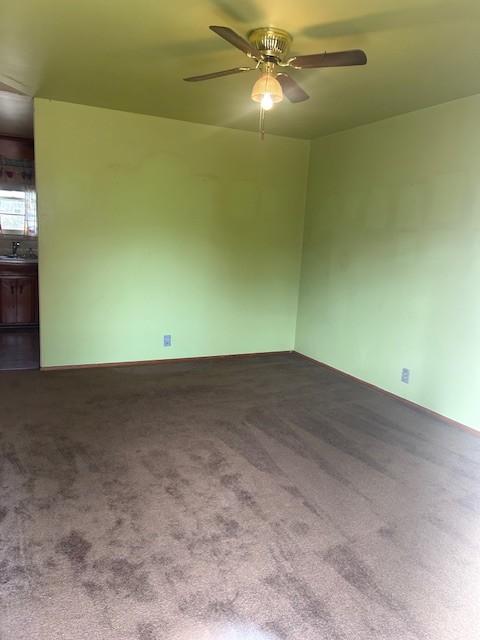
[271,41]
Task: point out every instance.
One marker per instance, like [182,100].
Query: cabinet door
[26,300]
[8,301]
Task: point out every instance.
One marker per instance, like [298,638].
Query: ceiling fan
[269,48]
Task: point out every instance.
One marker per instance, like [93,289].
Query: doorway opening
[19,322]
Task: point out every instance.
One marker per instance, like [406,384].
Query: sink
[10,258]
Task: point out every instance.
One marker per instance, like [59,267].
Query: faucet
[15,246]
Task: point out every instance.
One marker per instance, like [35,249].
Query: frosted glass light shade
[267,85]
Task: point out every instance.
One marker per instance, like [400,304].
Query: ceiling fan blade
[237,41]
[336,59]
[218,74]
[291,88]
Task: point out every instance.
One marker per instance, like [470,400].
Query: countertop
[7,260]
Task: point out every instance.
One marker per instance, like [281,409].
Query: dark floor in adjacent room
[244,499]
[19,349]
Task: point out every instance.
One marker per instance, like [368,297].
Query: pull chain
[261,124]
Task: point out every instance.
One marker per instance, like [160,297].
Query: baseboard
[409,403]
[137,363]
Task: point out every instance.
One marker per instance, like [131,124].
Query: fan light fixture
[268,48]
[267,90]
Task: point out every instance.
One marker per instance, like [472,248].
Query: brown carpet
[263,498]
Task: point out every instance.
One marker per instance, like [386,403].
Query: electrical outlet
[167,341]
[406,376]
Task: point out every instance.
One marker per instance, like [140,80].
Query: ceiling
[133,55]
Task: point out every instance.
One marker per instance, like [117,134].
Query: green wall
[391,262]
[151,226]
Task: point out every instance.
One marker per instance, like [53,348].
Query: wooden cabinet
[18,294]
[8,301]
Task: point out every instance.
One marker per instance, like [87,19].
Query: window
[18,212]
